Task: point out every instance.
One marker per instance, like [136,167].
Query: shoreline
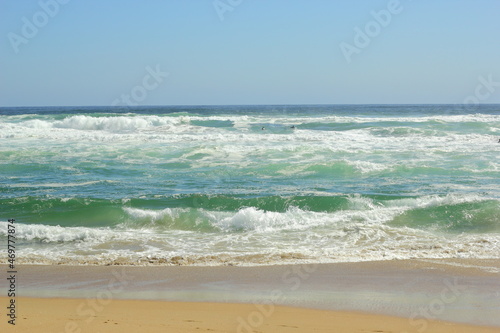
[451,292]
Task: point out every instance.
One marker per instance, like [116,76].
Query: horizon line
[201,105]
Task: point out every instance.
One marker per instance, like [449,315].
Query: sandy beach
[392,296]
[231,166]
[60,315]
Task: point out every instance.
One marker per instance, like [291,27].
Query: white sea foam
[356,234]
[211,147]
[141,122]
[355,241]
[250,160]
[56,234]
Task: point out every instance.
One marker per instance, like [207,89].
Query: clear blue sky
[91,52]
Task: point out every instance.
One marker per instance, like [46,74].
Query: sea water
[250,185]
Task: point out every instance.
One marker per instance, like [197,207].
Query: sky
[237,52]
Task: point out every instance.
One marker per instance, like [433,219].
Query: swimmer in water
[293,126]
[263,128]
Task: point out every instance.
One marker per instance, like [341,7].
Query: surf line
[11,271]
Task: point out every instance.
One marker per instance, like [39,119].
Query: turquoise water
[251,184]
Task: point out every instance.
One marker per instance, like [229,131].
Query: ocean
[250,185]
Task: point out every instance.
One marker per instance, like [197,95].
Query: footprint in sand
[289,326]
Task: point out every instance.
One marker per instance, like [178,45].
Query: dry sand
[124,316]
